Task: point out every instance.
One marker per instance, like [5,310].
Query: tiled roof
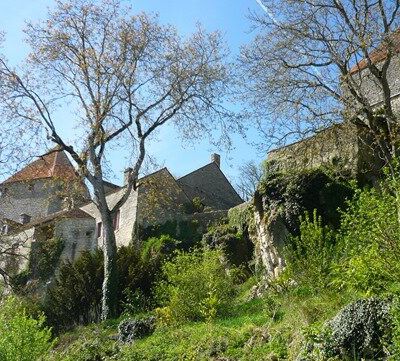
[54,164]
[379,54]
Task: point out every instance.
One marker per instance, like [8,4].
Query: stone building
[47,199]
[43,187]
[74,228]
[161,198]
[348,148]
[368,85]
[210,185]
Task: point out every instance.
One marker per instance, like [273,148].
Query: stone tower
[45,186]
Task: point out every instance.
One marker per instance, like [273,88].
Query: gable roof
[211,185]
[379,54]
[75,213]
[54,164]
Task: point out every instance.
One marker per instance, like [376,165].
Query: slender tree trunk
[109,299]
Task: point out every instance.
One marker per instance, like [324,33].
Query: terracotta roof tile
[54,164]
[379,54]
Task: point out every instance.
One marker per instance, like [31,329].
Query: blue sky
[228,16]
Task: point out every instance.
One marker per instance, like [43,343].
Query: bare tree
[250,175]
[118,75]
[315,62]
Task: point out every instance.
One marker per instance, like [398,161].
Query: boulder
[132,329]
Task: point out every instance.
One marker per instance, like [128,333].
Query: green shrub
[44,258]
[235,244]
[310,255]
[370,241]
[74,297]
[158,247]
[22,337]
[197,286]
[304,191]
[187,232]
[43,261]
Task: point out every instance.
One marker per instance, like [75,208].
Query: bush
[309,256]
[188,232]
[45,257]
[370,241]
[360,331]
[197,286]
[158,247]
[74,297]
[22,337]
[236,245]
[304,191]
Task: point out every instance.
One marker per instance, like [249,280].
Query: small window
[73,251]
[4,229]
[99,229]
[116,220]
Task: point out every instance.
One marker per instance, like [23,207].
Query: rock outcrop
[132,329]
[279,202]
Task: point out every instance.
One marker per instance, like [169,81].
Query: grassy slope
[264,329]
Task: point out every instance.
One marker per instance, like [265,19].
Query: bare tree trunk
[109,299]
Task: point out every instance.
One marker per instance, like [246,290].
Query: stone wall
[160,199]
[211,186]
[127,217]
[370,88]
[78,236]
[336,147]
[36,199]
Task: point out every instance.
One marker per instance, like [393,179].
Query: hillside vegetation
[337,299]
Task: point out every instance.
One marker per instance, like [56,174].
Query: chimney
[24,218]
[127,171]
[216,158]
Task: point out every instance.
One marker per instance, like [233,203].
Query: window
[99,229]
[116,220]
[73,251]
[4,229]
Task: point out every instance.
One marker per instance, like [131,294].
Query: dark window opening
[73,251]
[99,229]
[116,220]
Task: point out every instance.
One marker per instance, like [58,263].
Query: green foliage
[197,286]
[370,241]
[74,297]
[185,231]
[242,217]
[395,315]
[44,258]
[235,244]
[43,261]
[268,328]
[195,206]
[198,204]
[156,247]
[305,191]
[90,343]
[310,255]
[22,337]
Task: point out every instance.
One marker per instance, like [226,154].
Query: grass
[270,328]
